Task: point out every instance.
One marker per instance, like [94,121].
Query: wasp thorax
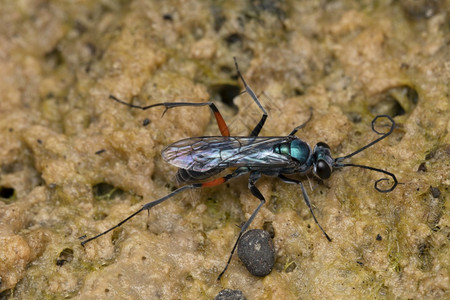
[296,149]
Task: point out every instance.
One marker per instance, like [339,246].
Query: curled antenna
[338,164]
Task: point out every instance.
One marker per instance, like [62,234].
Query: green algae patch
[74,163]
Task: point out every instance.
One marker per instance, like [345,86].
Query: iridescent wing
[202,154]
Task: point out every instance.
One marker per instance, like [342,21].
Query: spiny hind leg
[238,172]
[224,131]
[223,128]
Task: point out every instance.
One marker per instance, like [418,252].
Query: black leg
[254,176]
[220,121]
[304,124]
[224,131]
[306,198]
[238,172]
[259,126]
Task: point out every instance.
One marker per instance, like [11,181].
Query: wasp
[201,158]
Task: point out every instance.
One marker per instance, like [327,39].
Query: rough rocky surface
[74,163]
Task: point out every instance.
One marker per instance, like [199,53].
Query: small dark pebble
[257,252]
[145,122]
[379,238]
[228,294]
[167,17]
[435,192]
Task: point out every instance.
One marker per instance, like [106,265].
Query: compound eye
[323,170]
[322,145]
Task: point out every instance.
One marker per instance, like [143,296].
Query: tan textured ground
[349,60]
